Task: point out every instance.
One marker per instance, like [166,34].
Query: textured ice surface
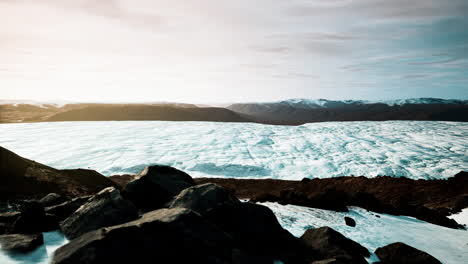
[448,245]
[413,149]
[41,255]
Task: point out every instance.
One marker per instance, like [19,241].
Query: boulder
[52,199]
[330,244]
[155,186]
[349,221]
[255,228]
[64,210]
[399,253]
[33,219]
[201,198]
[175,235]
[107,208]
[18,243]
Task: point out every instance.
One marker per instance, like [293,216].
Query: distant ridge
[287,112]
[300,111]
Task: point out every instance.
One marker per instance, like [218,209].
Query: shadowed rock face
[202,198]
[155,186]
[106,208]
[17,243]
[399,253]
[328,243]
[163,236]
[22,178]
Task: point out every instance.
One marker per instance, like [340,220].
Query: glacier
[413,149]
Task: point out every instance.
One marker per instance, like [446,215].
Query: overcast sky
[232,51]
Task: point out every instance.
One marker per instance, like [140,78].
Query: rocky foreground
[162,215]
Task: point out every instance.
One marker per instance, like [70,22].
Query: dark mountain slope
[148,112]
[299,113]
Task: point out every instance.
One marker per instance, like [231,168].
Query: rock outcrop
[202,198]
[330,244]
[155,186]
[25,179]
[52,199]
[163,236]
[107,208]
[17,243]
[400,253]
[428,200]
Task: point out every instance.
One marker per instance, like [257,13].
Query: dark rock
[107,208]
[9,217]
[337,260]
[21,243]
[255,228]
[52,199]
[122,180]
[155,186]
[329,243]
[428,200]
[399,253]
[201,198]
[163,236]
[305,180]
[349,221]
[64,210]
[33,219]
[25,179]
[331,199]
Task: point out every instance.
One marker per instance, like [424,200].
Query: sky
[232,51]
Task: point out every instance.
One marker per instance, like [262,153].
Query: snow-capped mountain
[299,111]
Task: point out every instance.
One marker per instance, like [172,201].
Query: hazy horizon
[209,51]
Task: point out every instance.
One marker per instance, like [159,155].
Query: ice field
[412,149]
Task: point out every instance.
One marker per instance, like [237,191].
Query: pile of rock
[162,216]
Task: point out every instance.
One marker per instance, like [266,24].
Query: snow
[461,217]
[324,103]
[397,148]
[448,245]
[414,149]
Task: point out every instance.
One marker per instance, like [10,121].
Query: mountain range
[287,112]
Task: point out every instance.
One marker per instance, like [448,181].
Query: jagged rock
[255,228]
[64,210]
[107,208]
[24,179]
[400,253]
[33,219]
[155,186]
[201,198]
[329,243]
[21,243]
[52,199]
[349,221]
[175,235]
